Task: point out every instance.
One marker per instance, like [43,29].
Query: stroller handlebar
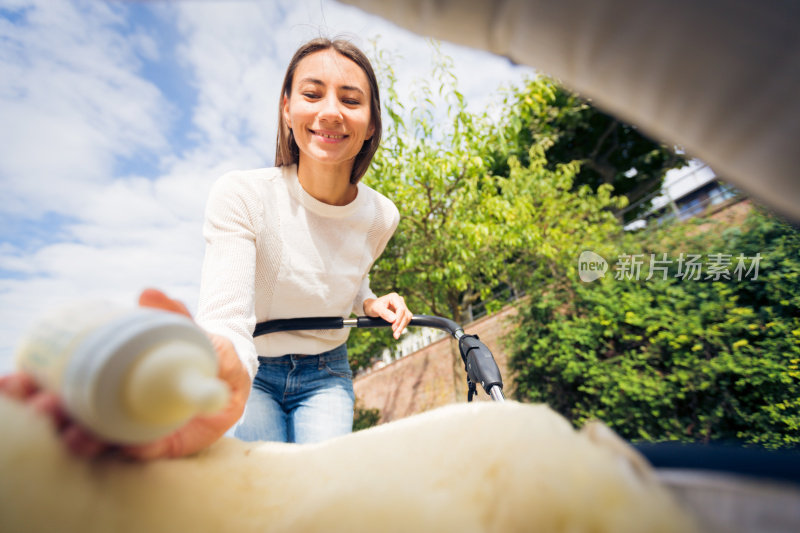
[478,360]
[337,322]
[436,322]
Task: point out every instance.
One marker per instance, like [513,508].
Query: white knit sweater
[274,251]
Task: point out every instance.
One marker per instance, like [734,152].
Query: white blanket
[466,468]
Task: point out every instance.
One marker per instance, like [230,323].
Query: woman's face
[328,109]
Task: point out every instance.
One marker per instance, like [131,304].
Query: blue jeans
[299,398]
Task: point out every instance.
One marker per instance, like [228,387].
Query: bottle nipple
[172,383]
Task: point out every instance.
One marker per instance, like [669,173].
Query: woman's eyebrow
[319,82]
[314,81]
[351,88]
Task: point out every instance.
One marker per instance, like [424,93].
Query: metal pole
[497,394]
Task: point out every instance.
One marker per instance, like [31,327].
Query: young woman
[298,240]
[291,241]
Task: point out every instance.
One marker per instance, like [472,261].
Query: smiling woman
[299,240]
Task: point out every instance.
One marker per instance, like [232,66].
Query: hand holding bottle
[156,407]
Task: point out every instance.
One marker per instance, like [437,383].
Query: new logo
[591,266]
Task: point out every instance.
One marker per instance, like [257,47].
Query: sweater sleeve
[387,220]
[226,305]
[364,293]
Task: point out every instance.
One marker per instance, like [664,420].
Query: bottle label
[48,347]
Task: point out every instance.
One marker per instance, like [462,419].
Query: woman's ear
[286,112]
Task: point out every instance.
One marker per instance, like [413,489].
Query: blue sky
[117,117]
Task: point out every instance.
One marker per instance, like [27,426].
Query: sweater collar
[314,205]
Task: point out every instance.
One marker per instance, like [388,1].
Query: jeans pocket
[339,368]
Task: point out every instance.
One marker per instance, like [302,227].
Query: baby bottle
[130,376]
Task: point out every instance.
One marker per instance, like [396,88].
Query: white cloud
[76,102]
[72,104]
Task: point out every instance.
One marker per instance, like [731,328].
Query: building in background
[694,190]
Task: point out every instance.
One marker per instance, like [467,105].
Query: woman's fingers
[168,447]
[159,300]
[403,319]
[49,405]
[406,318]
[77,440]
[18,386]
[392,308]
[398,313]
[81,443]
[23,388]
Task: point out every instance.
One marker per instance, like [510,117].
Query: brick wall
[433,376]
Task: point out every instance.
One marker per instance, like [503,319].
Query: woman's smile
[328,136]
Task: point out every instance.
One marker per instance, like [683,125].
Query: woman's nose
[330,109]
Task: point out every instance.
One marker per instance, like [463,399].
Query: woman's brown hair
[286,151]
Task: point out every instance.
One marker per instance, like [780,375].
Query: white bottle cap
[172,383]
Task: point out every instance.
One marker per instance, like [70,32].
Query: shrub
[364,417]
[675,359]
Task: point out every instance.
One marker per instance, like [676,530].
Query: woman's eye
[311,95]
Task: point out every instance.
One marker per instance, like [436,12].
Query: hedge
[673,357]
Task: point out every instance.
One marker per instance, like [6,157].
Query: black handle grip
[371,322]
[479,363]
[290,324]
[427,321]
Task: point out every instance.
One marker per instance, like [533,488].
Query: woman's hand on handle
[392,308]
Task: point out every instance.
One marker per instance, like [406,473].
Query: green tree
[675,358]
[465,230]
[610,151]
